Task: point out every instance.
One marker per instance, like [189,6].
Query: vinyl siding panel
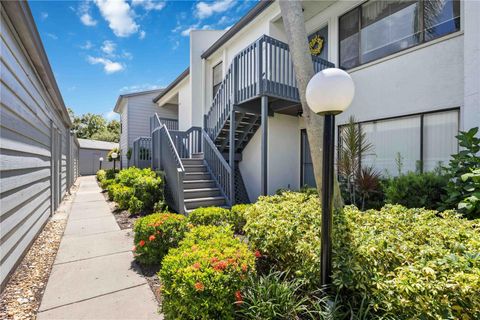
[140,109]
[124,134]
[28,123]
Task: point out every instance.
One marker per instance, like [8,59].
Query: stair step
[198,184]
[197,155]
[204,202]
[190,161]
[197,176]
[195,168]
[201,193]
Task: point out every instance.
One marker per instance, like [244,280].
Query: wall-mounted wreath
[316,45]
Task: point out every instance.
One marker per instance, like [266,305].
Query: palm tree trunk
[294,23]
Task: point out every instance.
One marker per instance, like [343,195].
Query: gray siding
[89,163]
[124,134]
[140,109]
[34,149]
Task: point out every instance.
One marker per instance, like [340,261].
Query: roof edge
[245,20]
[177,80]
[132,94]
[21,18]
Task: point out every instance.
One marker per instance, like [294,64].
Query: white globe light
[330,91]
[101,159]
[114,155]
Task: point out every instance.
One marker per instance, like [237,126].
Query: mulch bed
[125,220]
[23,293]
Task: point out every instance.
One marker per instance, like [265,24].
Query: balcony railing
[156,122]
[142,147]
[263,68]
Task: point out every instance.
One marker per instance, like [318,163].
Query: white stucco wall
[283,167]
[200,40]
[184,105]
[471,108]
[426,78]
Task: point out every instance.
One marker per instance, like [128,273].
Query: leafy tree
[95,127]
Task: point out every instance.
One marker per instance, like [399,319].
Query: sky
[103,48]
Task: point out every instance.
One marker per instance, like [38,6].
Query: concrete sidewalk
[92,277]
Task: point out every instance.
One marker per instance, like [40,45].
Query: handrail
[173,167]
[220,170]
[187,142]
[263,68]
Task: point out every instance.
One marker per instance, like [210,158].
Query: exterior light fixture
[329,93]
[114,156]
[101,160]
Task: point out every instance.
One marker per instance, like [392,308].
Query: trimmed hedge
[202,278]
[412,263]
[408,263]
[155,234]
[138,190]
[205,216]
[285,229]
[101,175]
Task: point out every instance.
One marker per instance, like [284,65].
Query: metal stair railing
[218,168]
[263,68]
[187,142]
[142,152]
[171,164]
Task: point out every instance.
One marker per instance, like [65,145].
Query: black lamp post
[329,93]
[101,161]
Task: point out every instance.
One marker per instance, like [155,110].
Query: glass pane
[349,39]
[441,17]
[319,43]
[217,74]
[388,27]
[439,131]
[396,145]
[308,177]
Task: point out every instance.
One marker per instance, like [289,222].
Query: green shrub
[110,173]
[138,190]
[155,234]
[410,263]
[121,195]
[237,217]
[214,216]
[463,162]
[285,229]
[104,184]
[202,278]
[471,204]
[417,190]
[275,296]
[101,175]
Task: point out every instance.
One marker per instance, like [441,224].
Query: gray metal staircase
[199,188]
[197,171]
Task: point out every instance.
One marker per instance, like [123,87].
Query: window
[307,176]
[419,142]
[379,28]
[217,77]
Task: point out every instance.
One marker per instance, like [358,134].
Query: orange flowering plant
[204,276]
[155,234]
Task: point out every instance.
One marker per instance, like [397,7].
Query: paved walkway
[92,277]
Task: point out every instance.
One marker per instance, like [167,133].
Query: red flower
[257,254]
[244,267]
[199,286]
[134,248]
[158,232]
[196,266]
[220,266]
[213,260]
[238,297]
[151,238]
[141,243]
